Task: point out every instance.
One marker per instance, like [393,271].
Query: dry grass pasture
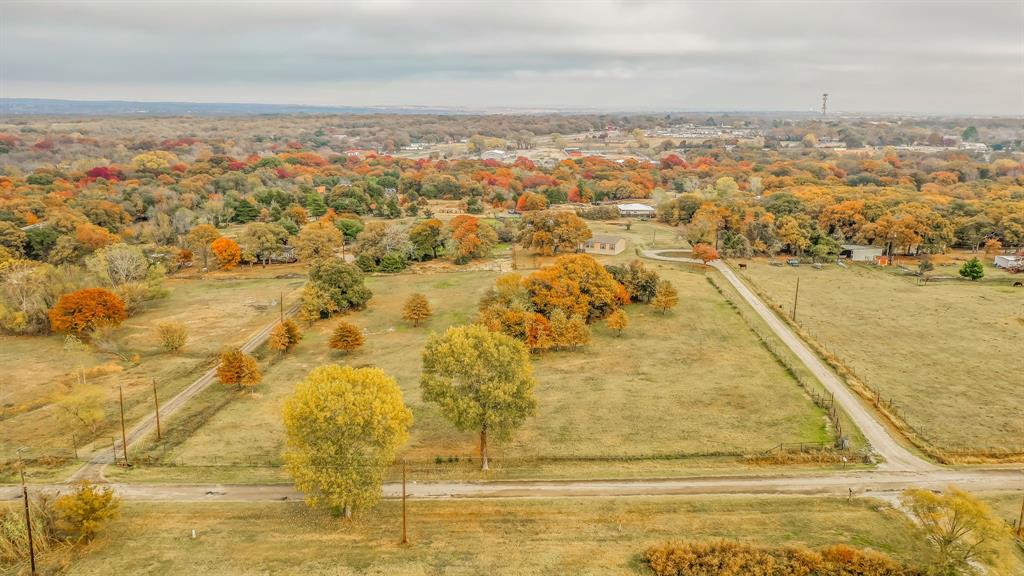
[949,354]
[219,310]
[592,536]
[695,382]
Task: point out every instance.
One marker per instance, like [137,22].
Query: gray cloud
[937,56]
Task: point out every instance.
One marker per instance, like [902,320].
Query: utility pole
[74,444]
[156,402]
[796,295]
[405,532]
[28,516]
[124,437]
[281,302]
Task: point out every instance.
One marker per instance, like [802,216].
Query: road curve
[896,456]
[833,484]
[93,468]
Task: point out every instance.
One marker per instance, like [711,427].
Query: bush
[346,337]
[728,558]
[392,263]
[172,335]
[366,263]
[82,513]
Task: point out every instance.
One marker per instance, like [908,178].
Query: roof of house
[606,238]
[860,247]
[636,207]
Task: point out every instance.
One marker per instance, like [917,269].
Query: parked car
[793,261]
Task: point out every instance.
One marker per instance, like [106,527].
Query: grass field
[572,536]
[222,309]
[948,354]
[693,383]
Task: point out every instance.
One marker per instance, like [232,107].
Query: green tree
[427,236]
[344,426]
[339,285]
[317,240]
[82,513]
[263,241]
[970,134]
[972,269]
[13,239]
[960,526]
[315,205]
[481,380]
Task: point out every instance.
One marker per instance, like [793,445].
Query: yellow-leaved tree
[344,426]
[481,380]
[417,309]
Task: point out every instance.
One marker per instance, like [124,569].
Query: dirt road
[93,468]
[882,442]
[840,484]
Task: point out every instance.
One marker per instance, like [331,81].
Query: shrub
[172,335]
[728,558]
[346,337]
[82,513]
[82,311]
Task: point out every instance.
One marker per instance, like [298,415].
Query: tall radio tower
[824,104]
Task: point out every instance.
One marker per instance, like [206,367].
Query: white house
[859,253]
[1008,262]
[636,211]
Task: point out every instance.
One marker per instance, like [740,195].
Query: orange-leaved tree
[227,251]
[705,253]
[238,369]
[578,285]
[84,310]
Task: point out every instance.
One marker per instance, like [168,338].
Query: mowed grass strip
[220,310]
[948,354]
[693,382]
[563,536]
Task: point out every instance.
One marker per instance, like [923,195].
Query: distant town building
[605,244]
[635,210]
[859,253]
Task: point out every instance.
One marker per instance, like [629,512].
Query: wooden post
[796,295]
[113,447]
[124,437]
[74,445]
[405,531]
[1020,521]
[28,517]
[156,403]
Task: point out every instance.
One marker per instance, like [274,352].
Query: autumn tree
[317,240]
[427,236]
[416,309]
[82,407]
[118,264]
[972,270]
[705,253]
[665,297]
[640,283]
[960,526]
[285,336]
[82,513]
[227,252]
[469,238]
[238,369]
[530,201]
[617,321]
[578,285]
[199,240]
[539,336]
[172,335]
[344,426]
[85,310]
[552,231]
[568,333]
[346,337]
[380,243]
[481,380]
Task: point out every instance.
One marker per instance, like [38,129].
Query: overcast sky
[882,56]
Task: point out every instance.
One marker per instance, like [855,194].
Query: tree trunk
[348,511]
[484,464]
